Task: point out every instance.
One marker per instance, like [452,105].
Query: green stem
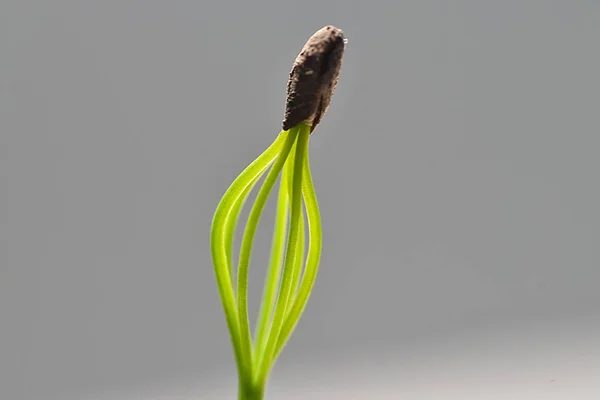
[250,391]
[265,360]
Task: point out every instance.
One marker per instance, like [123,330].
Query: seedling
[291,273]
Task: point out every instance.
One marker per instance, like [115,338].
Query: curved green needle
[235,213]
[297,266]
[246,247]
[312,260]
[290,277]
[265,359]
[222,232]
[277,253]
[274,269]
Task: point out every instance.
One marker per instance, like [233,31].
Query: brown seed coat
[314,77]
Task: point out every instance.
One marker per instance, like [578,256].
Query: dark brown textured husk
[313,78]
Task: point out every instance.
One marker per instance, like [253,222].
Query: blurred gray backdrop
[457,174]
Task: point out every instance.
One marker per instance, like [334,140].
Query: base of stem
[250,392]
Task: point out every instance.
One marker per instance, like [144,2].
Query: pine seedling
[291,273]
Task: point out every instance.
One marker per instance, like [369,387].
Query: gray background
[457,174]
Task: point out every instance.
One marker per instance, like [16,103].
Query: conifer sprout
[291,273]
